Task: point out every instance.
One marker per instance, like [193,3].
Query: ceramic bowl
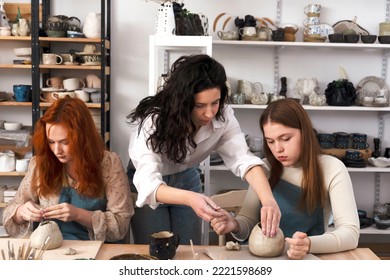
[382,221]
[55,33]
[12,125]
[22,51]
[379,161]
[351,38]
[384,39]
[368,38]
[336,38]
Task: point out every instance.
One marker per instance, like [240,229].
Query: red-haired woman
[72,179]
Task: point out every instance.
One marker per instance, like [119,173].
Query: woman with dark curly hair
[72,179]
[171,133]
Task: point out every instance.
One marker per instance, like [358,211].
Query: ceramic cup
[312,10]
[22,164]
[360,145]
[93,81]
[22,93]
[96,97]
[359,137]
[51,58]
[80,94]
[59,95]
[163,245]
[384,28]
[228,35]
[55,82]
[248,31]
[311,20]
[73,83]
[352,154]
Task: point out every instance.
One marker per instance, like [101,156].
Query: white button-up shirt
[225,137]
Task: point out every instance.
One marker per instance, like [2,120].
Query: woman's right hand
[204,207]
[28,211]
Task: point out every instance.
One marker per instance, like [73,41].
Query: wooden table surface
[184,252]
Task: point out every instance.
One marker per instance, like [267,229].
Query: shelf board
[15,103]
[13,174]
[320,108]
[274,44]
[15,38]
[15,66]
[89,105]
[73,67]
[69,40]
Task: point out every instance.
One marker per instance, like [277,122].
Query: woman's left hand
[64,212]
[299,245]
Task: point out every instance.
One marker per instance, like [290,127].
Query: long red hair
[85,144]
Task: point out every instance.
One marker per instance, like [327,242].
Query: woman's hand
[299,245]
[64,211]
[224,224]
[270,218]
[28,211]
[204,207]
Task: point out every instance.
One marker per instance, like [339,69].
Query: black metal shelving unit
[38,77]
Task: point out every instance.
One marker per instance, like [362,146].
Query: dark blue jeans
[176,218]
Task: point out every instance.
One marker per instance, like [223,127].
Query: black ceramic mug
[163,245]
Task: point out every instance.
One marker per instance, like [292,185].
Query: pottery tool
[196,255]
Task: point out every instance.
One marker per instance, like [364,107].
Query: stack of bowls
[57,26]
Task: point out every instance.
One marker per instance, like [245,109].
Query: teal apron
[287,196]
[74,230]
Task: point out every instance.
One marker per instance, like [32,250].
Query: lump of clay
[263,246]
[230,245]
[45,229]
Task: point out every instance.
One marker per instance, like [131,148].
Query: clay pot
[263,246]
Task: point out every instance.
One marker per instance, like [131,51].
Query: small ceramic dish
[12,125]
[133,257]
[379,161]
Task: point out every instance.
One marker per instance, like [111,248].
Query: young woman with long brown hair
[308,185]
[72,179]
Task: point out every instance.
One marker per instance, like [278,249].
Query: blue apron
[287,196]
[74,230]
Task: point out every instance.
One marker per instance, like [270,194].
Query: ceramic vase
[24,28]
[165,24]
[92,28]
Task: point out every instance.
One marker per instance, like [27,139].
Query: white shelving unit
[162,48]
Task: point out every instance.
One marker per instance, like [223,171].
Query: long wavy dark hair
[173,103]
[85,144]
[290,113]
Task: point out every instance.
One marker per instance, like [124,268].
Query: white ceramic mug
[73,83]
[22,164]
[80,94]
[51,58]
